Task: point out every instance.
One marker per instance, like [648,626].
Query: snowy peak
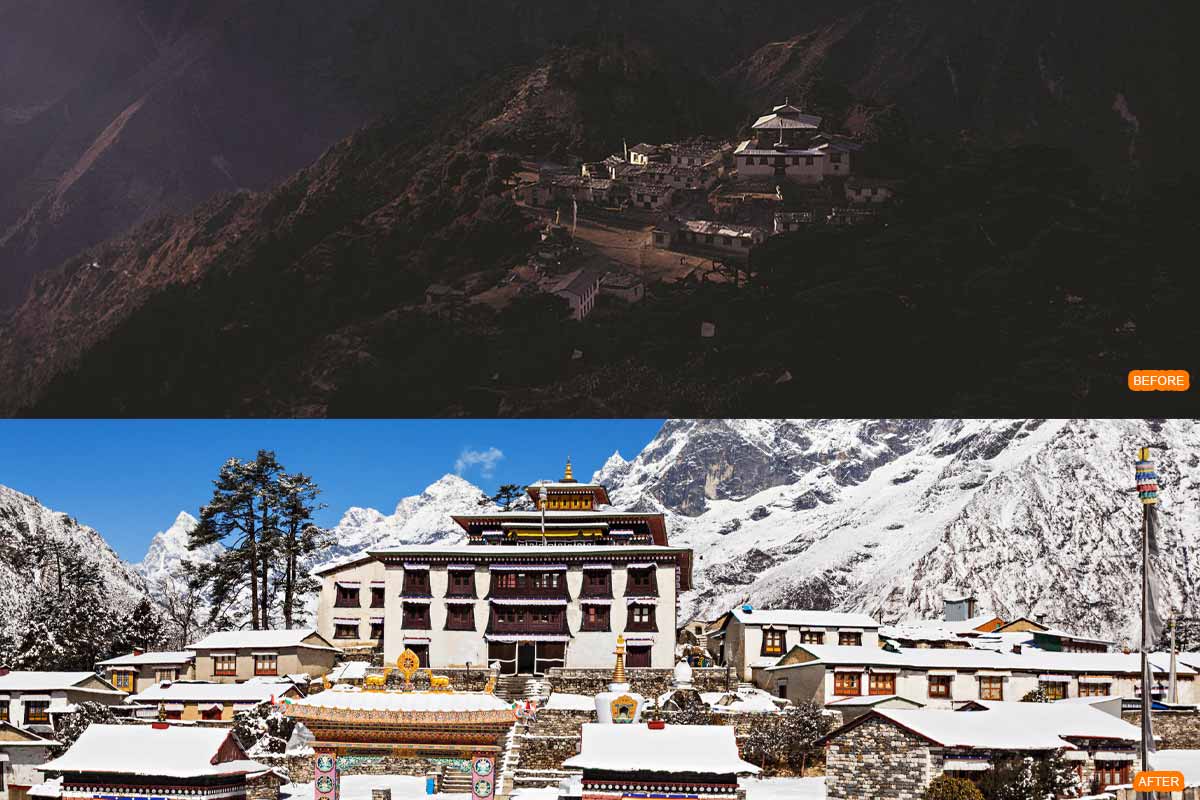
[169,548]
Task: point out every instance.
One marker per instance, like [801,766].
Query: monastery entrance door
[526,658]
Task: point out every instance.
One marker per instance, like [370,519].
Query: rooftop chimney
[4,671]
[138,651]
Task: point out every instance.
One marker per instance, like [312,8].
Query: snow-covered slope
[26,529]
[883,516]
[168,549]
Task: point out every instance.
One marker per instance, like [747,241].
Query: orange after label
[1158,781]
[1159,380]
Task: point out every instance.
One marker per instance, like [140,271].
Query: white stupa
[683,675]
[619,705]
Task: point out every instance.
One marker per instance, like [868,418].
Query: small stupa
[682,695]
[619,705]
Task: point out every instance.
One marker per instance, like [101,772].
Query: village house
[22,753]
[211,702]
[139,670]
[867,190]
[945,678]
[649,195]
[681,155]
[788,221]
[531,590]
[787,143]
[32,700]
[893,754]
[166,761]
[237,656]
[579,288]
[675,177]
[625,286]
[750,638]
[724,236]
[642,154]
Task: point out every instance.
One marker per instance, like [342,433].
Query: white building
[22,753]
[726,236]
[947,678]
[642,154]
[786,144]
[32,700]
[750,638]
[211,702]
[531,590]
[140,670]
[579,288]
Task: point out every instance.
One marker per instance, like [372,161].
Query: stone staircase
[455,782]
[512,757]
[513,688]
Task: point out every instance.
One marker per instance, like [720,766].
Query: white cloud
[484,459]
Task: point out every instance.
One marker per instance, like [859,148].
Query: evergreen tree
[1037,695]
[180,594]
[800,726]
[505,497]
[298,539]
[145,627]
[948,787]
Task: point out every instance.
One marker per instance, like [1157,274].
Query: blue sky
[129,479]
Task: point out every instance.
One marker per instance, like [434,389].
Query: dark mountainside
[113,112]
[1010,266]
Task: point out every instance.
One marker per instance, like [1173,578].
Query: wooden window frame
[602,614]
[944,684]
[219,672]
[847,684]
[346,597]
[416,622]
[460,617]
[774,642]
[1057,693]
[41,716]
[1095,689]
[994,687]
[648,625]
[638,653]
[457,587]
[855,638]
[378,596]
[123,679]
[260,662]
[169,674]
[4,710]
[812,637]
[886,683]
[340,625]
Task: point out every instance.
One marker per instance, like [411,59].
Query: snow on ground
[1185,761]
[539,793]
[783,788]
[358,787]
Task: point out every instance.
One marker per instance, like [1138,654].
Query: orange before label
[1158,781]
[1159,380]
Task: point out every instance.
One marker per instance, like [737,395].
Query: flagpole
[1145,658]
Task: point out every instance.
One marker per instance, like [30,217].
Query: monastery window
[416,616]
[123,680]
[882,683]
[595,618]
[266,664]
[850,638]
[460,617]
[37,712]
[173,713]
[345,630]
[161,675]
[211,712]
[461,583]
[1094,689]
[772,643]
[1054,690]
[377,597]
[642,582]
[3,711]
[812,637]
[347,596]
[991,688]
[597,583]
[641,618]
[226,664]
[637,656]
[416,583]
[377,629]
[1111,773]
[847,684]
[939,686]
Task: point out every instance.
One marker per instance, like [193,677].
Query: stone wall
[876,761]
[648,682]
[300,767]
[263,787]
[461,678]
[553,738]
[1180,730]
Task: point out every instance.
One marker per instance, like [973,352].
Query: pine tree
[504,497]
[299,538]
[1037,695]
[145,627]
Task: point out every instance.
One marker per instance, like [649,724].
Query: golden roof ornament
[408,663]
[568,476]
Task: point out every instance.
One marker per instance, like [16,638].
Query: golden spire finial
[619,669]
[568,476]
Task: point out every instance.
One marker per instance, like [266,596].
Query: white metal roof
[201,691]
[148,659]
[243,639]
[704,749]
[803,617]
[30,681]
[1013,726]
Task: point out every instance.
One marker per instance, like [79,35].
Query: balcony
[532,621]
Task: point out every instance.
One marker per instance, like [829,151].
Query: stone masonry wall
[876,761]
[553,738]
[1180,730]
[648,682]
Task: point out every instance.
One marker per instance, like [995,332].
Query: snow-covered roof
[749,700]
[30,681]
[949,658]
[703,749]
[922,633]
[562,701]
[349,671]
[49,789]
[803,618]
[773,122]
[202,691]
[714,228]
[357,700]
[1185,761]
[172,751]
[1011,726]
[510,550]
[149,659]
[242,639]
[872,700]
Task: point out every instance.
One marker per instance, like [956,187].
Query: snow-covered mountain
[420,519]
[883,516]
[29,532]
[168,549]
